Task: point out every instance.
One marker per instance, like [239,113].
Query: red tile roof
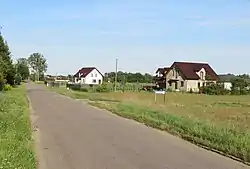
[189,69]
[85,71]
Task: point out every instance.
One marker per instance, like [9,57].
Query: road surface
[73,135]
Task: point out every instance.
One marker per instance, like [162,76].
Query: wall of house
[173,74]
[93,78]
[227,85]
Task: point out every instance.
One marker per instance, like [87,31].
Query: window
[204,84]
[202,75]
[94,81]
[170,83]
[91,74]
[199,84]
[96,75]
[173,72]
[182,84]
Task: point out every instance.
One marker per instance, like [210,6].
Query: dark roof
[85,71]
[163,70]
[189,69]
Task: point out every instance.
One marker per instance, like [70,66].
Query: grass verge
[228,139]
[16,147]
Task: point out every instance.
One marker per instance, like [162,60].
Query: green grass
[215,130]
[16,147]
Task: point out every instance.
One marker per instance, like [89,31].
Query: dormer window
[202,75]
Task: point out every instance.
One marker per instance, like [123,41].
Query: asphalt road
[73,135]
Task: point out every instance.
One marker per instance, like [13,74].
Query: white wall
[93,75]
[227,85]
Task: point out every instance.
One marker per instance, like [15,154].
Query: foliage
[214,89]
[7,68]
[22,68]
[2,81]
[240,86]
[102,88]
[18,79]
[7,87]
[38,64]
[16,150]
[124,77]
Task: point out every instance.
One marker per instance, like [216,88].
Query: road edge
[36,136]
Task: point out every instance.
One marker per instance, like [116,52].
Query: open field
[217,122]
[16,149]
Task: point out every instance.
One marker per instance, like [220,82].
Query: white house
[89,75]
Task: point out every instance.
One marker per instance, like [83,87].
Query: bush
[18,79]
[102,88]
[7,87]
[214,89]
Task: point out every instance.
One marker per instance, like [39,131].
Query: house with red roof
[186,76]
[89,75]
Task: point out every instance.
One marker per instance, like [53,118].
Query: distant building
[88,75]
[185,76]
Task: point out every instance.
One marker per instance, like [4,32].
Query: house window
[182,84]
[173,72]
[94,81]
[91,74]
[204,84]
[96,75]
[170,83]
[199,84]
[202,75]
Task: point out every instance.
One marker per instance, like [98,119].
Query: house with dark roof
[89,75]
[186,76]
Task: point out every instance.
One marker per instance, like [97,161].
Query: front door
[176,85]
[99,81]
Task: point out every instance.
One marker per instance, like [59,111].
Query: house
[88,75]
[185,76]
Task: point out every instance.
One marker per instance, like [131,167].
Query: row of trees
[125,77]
[13,73]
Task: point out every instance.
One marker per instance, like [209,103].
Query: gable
[85,71]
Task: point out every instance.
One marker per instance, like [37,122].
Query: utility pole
[116,67]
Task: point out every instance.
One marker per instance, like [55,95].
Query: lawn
[217,122]
[16,147]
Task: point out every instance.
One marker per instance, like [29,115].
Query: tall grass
[16,151]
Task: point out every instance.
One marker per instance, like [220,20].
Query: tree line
[127,77]
[12,73]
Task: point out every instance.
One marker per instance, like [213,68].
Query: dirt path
[76,136]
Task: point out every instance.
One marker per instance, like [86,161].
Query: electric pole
[116,67]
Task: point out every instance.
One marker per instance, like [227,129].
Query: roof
[163,70]
[189,69]
[85,71]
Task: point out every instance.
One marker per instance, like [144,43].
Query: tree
[38,64]
[7,67]
[22,68]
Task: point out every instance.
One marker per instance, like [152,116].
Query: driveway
[73,135]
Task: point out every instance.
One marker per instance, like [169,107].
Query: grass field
[217,122]
[16,149]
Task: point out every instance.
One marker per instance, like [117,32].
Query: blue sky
[142,34]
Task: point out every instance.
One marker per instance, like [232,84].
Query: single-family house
[89,75]
[186,76]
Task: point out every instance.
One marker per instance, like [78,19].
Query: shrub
[18,79]
[102,88]
[7,87]
[214,89]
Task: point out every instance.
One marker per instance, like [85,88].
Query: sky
[142,34]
